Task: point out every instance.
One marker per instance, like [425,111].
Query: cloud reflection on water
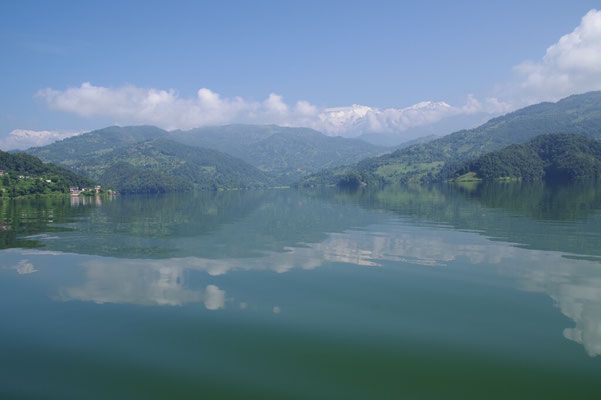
[140,282]
[575,285]
[23,267]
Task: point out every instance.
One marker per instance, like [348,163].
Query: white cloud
[23,139]
[167,109]
[572,65]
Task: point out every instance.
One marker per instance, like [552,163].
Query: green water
[437,292]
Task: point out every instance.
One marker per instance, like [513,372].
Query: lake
[425,292]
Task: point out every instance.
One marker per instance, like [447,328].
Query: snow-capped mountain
[358,119]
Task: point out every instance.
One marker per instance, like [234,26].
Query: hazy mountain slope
[285,153]
[206,169]
[421,140]
[291,155]
[578,114]
[231,139]
[72,150]
[553,157]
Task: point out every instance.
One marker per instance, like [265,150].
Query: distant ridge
[285,153]
[67,151]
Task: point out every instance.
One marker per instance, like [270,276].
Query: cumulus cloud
[572,65]
[23,139]
[167,109]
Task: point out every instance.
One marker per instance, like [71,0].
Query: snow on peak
[358,119]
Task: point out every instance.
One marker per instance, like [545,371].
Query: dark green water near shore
[423,292]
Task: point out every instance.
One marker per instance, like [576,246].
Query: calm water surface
[419,293]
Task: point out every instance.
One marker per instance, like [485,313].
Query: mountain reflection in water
[544,239]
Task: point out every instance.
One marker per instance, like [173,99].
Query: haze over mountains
[287,154]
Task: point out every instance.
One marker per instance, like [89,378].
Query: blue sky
[258,60]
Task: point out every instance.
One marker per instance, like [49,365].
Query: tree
[350,180]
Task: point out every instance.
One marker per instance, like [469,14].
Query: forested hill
[128,179]
[188,166]
[554,157]
[578,114]
[285,153]
[24,174]
[74,149]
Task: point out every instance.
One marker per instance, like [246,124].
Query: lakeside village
[26,185]
[75,191]
[84,196]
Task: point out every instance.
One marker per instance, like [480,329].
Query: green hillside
[24,174]
[578,114]
[227,138]
[286,154]
[394,140]
[128,179]
[553,157]
[204,169]
[70,151]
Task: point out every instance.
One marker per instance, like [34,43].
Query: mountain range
[231,156]
[286,154]
[577,114]
[247,156]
